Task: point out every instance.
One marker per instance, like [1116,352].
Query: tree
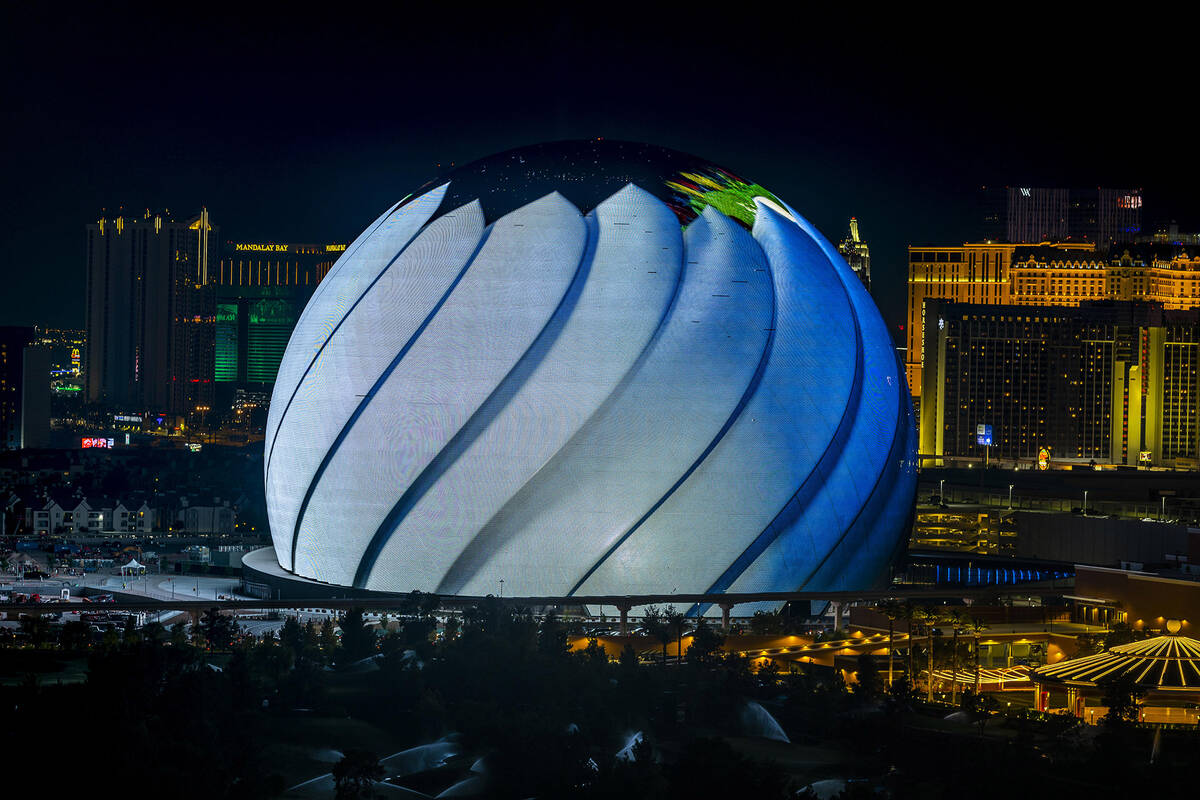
[979,707]
[909,613]
[706,642]
[291,636]
[869,686]
[1121,695]
[75,636]
[900,696]
[356,774]
[976,626]
[312,641]
[36,628]
[628,658]
[218,630]
[893,611]
[677,624]
[956,618]
[552,636]
[925,617]
[357,639]
[594,652]
[655,623]
[329,641]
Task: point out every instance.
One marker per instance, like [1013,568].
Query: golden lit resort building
[1059,274]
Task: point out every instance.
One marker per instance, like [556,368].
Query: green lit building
[261,289]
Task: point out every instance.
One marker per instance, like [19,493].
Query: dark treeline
[193,714]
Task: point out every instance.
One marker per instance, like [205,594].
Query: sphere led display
[590,368]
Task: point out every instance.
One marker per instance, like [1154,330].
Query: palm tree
[655,623]
[909,613]
[893,611]
[676,623]
[956,618]
[927,616]
[976,626]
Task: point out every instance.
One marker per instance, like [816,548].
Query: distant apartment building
[1110,382]
[150,312]
[64,513]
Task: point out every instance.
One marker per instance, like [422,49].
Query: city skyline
[307,132]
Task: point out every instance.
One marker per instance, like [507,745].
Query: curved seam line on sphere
[748,393]
[668,310]
[833,448]
[905,475]
[323,285]
[332,333]
[891,466]
[321,289]
[483,416]
[910,433]
[370,395]
[765,538]
[849,279]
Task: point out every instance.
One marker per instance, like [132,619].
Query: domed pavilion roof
[1168,663]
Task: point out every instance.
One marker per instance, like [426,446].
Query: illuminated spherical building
[590,368]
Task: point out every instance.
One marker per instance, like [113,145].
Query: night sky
[304,128]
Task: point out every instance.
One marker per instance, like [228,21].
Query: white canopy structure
[133,568]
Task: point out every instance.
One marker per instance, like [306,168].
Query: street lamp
[502,587]
[1010,488]
[1085,491]
[1162,514]
[942,490]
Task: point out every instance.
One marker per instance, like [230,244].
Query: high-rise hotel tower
[151,312]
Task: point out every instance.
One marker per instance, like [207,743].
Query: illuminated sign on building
[1043,458]
[126,418]
[983,435]
[96,441]
[1129,201]
[271,247]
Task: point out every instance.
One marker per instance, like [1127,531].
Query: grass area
[803,762]
[48,667]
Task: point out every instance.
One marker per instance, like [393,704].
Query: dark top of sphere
[587,172]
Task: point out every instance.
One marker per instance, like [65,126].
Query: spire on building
[857,254]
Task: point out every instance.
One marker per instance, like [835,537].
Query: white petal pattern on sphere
[590,405]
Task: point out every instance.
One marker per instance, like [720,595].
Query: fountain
[757,721]
[419,759]
[626,752]
[468,787]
